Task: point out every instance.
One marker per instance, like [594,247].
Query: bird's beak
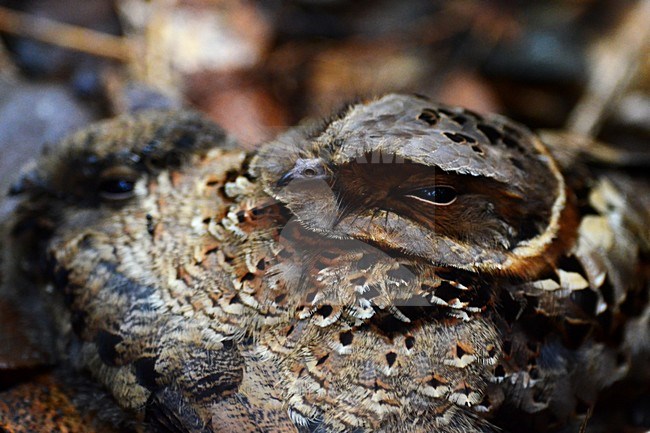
[27,182]
[285,179]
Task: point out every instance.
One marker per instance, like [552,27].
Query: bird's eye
[117,184]
[438,195]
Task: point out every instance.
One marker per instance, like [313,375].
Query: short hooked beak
[27,182]
[305,169]
[286,179]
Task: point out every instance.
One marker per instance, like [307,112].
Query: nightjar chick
[401,267]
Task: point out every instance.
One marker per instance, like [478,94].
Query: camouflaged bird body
[221,322]
[218,297]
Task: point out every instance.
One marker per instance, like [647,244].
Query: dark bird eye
[117,184]
[439,195]
[116,189]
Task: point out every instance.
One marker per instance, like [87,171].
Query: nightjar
[402,267]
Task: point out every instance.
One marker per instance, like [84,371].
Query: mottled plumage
[402,267]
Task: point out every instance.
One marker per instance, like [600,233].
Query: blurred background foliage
[257,67]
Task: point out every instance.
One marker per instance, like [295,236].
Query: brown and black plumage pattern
[402,267]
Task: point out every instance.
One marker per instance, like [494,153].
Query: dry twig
[65,35]
[615,63]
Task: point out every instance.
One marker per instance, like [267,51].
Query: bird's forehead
[453,139]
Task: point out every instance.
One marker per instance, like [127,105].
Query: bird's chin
[323,223]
